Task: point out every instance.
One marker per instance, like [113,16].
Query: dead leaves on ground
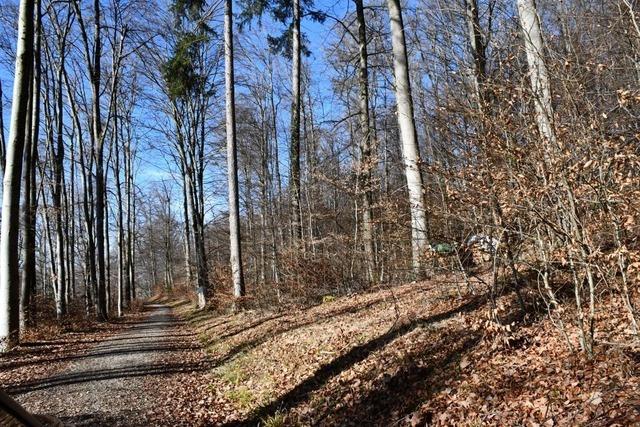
[333,365]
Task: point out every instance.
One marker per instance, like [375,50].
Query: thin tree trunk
[131,259]
[187,230]
[129,284]
[116,172]
[294,157]
[235,247]
[58,159]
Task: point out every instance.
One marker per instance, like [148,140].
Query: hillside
[414,355]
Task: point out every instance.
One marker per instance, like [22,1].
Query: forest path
[107,386]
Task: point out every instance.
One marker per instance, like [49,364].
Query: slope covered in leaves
[415,354]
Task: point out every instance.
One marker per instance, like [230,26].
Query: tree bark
[28,283]
[3,146]
[98,146]
[9,253]
[410,149]
[478,48]
[538,74]
[367,160]
[294,157]
[235,247]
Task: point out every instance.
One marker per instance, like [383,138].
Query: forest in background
[492,141]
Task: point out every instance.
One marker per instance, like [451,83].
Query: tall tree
[29,208]
[289,43]
[367,159]
[3,147]
[9,254]
[93,56]
[409,137]
[232,156]
[98,152]
[294,153]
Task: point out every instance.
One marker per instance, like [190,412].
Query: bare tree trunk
[534,47]
[129,284]
[72,226]
[410,150]
[478,48]
[9,253]
[99,156]
[86,165]
[3,146]
[541,89]
[294,158]
[121,303]
[58,158]
[107,245]
[131,258]
[235,247]
[29,204]
[187,230]
[367,161]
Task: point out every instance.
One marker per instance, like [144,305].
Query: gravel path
[107,385]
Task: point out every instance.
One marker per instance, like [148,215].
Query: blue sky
[152,167]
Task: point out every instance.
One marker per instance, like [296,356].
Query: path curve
[107,385]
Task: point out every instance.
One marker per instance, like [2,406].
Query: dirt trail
[107,385]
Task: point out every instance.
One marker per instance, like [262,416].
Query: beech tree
[29,207]
[410,148]
[232,156]
[367,157]
[9,255]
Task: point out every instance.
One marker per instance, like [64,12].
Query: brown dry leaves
[391,356]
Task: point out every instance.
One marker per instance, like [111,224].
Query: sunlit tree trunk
[538,74]
[9,253]
[235,248]
[3,144]
[544,113]
[408,135]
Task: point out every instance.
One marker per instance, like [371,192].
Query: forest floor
[89,377]
[417,354]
